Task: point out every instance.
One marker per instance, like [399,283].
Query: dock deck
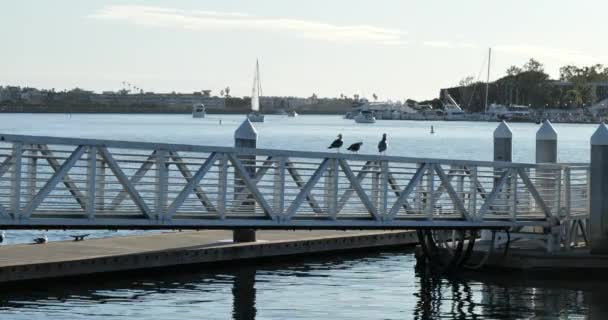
[76,258]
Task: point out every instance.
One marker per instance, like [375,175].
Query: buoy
[432,130]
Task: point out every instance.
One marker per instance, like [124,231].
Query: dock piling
[503,137]
[245,136]
[599,188]
[503,151]
[546,152]
[546,143]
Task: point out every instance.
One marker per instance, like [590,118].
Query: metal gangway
[63,183]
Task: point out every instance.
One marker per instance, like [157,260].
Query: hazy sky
[395,48]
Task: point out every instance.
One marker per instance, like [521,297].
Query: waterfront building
[165,99]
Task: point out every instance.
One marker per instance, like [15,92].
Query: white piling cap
[600,137]
[246,131]
[503,131]
[546,132]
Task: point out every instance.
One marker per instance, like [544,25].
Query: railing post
[473,192]
[568,207]
[32,172]
[223,186]
[430,194]
[279,187]
[245,137]
[16,179]
[419,190]
[376,183]
[100,182]
[598,219]
[383,209]
[331,189]
[91,181]
[162,184]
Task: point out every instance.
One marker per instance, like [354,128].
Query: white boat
[292,114]
[255,115]
[198,110]
[453,112]
[365,117]
[365,114]
[513,112]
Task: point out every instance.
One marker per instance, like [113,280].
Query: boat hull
[365,120]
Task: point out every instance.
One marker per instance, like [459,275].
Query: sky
[396,49]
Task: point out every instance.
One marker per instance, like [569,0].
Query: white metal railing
[64,182]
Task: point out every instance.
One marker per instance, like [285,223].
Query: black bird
[382,145]
[337,143]
[41,240]
[355,147]
[2,236]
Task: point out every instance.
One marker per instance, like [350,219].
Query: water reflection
[510,296]
[243,292]
[355,286]
[435,291]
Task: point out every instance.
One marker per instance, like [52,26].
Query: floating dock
[525,256]
[78,258]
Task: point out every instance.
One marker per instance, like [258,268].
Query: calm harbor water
[362,286]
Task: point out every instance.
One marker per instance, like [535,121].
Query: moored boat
[256,115]
[198,111]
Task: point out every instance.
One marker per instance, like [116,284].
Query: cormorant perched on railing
[355,147]
[382,145]
[337,143]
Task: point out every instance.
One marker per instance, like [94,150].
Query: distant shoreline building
[165,99]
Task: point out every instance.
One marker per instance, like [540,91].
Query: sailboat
[255,115]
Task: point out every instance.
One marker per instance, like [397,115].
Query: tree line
[531,86]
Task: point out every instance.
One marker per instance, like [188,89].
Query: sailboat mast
[257,72]
[488,77]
